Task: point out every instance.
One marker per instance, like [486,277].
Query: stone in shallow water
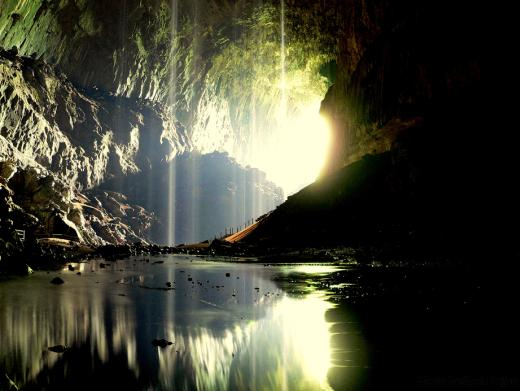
[58,348]
[57,281]
[161,343]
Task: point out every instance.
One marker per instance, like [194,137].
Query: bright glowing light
[316,269]
[305,325]
[297,153]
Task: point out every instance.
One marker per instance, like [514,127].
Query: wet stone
[58,348]
[57,281]
[162,343]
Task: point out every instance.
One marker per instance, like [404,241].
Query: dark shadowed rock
[57,281]
[162,343]
[58,348]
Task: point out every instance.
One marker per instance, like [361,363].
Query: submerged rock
[59,348]
[57,281]
[162,343]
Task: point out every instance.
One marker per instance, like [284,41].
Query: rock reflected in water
[260,339]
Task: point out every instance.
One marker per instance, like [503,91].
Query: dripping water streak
[282,65]
[172,98]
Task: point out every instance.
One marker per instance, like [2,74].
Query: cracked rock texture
[59,141]
[42,205]
[48,123]
[111,41]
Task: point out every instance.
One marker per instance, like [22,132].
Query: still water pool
[232,327]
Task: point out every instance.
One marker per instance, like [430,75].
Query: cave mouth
[199,112]
[295,154]
[256,82]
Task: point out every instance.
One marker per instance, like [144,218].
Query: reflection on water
[236,332]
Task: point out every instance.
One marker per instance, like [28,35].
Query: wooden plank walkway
[238,236]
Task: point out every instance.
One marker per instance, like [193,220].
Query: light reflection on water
[230,337]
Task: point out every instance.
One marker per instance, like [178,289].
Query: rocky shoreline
[21,258]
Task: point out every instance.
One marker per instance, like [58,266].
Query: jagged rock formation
[112,46]
[43,206]
[61,143]
[48,123]
[57,141]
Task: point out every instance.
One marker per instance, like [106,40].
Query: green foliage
[245,65]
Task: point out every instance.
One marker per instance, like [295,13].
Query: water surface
[238,331]
[245,326]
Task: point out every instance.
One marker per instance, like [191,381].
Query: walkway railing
[233,230]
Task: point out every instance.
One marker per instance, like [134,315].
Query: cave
[276,173]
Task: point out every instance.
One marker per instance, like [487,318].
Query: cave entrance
[260,89]
[295,154]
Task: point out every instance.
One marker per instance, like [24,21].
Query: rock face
[56,141]
[48,123]
[398,71]
[43,206]
[112,42]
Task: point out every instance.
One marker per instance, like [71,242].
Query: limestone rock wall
[48,123]
[400,65]
[57,140]
[113,45]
